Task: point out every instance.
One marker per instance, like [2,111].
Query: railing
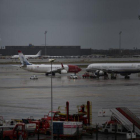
[124,121]
[126,110]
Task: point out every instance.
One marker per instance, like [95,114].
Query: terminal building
[46,50]
[66,51]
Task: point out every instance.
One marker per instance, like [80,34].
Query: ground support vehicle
[83,115]
[20,131]
[61,129]
[122,121]
[42,125]
[67,129]
[92,75]
[87,75]
[113,126]
[73,76]
[33,77]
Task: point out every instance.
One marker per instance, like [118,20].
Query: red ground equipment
[20,130]
[86,75]
[83,115]
[42,125]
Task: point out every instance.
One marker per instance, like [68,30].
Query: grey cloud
[91,24]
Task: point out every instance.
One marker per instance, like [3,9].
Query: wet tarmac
[21,97]
[74,60]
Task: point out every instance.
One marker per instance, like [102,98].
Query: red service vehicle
[83,115]
[42,125]
[20,130]
[86,75]
[54,114]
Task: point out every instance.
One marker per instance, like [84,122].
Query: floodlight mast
[120,42]
[51,61]
[45,41]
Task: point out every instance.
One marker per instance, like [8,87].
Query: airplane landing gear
[127,77]
[113,76]
[106,76]
[53,74]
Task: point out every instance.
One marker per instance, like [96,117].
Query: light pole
[51,61]
[45,41]
[120,41]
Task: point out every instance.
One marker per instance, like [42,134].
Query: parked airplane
[42,68]
[28,56]
[136,56]
[124,69]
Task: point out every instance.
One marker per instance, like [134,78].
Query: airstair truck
[122,118]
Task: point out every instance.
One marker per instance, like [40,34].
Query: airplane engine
[63,71]
[99,73]
[125,74]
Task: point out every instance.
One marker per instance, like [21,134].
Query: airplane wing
[19,66]
[109,70]
[57,70]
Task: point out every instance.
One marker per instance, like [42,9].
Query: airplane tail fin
[39,53]
[62,66]
[23,60]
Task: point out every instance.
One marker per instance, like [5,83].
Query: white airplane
[48,69]
[124,69]
[136,56]
[28,56]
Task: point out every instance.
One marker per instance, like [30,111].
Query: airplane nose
[79,69]
[87,69]
[73,68]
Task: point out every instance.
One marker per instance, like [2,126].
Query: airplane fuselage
[47,68]
[26,56]
[43,68]
[115,67]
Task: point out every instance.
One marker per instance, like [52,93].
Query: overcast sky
[89,23]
